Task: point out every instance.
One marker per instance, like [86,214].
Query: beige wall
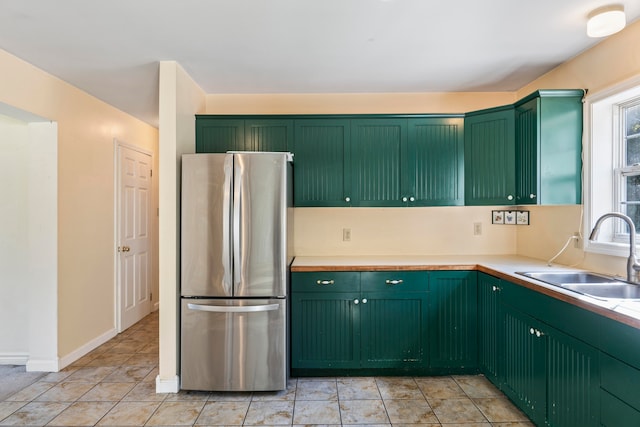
[86,131]
[612,61]
[356,103]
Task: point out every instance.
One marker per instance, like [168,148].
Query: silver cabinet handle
[325,282]
[393,282]
[347,199]
[509,197]
[495,288]
[364,300]
[532,196]
[404,199]
[532,331]
[233,308]
[539,334]
[412,199]
[356,302]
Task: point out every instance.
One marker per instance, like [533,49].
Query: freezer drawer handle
[234,309]
[325,282]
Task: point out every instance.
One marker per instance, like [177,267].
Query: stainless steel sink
[586,283]
[560,277]
[615,290]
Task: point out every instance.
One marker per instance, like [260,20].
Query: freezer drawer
[233,345]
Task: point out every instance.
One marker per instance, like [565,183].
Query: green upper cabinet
[549,148]
[322,172]
[377,149]
[489,157]
[268,135]
[434,162]
[219,135]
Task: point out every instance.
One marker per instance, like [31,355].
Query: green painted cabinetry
[453,303]
[490,328]
[322,162]
[489,152]
[353,320]
[548,147]
[219,135]
[434,162]
[396,322]
[553,376]
[393,320]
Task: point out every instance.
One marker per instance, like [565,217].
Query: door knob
[124,248]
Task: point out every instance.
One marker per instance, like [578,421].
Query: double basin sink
[590,284]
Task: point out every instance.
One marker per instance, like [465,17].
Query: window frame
[603,158]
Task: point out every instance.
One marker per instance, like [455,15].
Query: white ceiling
[111,48]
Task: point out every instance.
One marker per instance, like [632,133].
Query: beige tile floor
[114,385]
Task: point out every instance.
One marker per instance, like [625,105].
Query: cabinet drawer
[615,413]
[330,281]
[400,281]
[620,379]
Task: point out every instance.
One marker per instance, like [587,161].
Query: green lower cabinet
[393,329]
[325,330]
[490,327]
[551,376]
[616,413]
[524,369]
[453,306]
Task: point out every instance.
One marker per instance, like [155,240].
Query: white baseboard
[43,365]
[13,358]
[86,348]
[171,385]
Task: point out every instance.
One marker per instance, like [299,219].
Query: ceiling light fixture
[605,21]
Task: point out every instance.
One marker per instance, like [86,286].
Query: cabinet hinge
[150,172]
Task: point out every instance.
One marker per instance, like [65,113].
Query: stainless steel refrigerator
[235,259]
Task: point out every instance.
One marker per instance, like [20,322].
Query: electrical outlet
[346,234]
[477,228]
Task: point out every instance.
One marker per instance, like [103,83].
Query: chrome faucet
[633,267]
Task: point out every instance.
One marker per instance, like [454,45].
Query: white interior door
[134,228]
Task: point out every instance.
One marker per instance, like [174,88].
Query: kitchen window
[612,165]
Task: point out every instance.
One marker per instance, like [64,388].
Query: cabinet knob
[356,302]
[495,288]
[347,199]
[404,199]
[532,331]
[539,334]
[532,196]
[412,199]
[364,300]
[325,282]
[510,197]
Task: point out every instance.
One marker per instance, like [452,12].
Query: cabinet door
[268,135]
[490,327]
[394,319]
[376,167]
[325,330]
[489,173]
[219,135]
[527,176]
[452,319]
[321,168]
[525,378]
[573,381]
[435,162]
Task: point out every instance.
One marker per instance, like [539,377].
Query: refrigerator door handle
[238,173]
[227,254]
[234,309]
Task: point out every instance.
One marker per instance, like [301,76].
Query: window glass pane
[633,195]
[632,129]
